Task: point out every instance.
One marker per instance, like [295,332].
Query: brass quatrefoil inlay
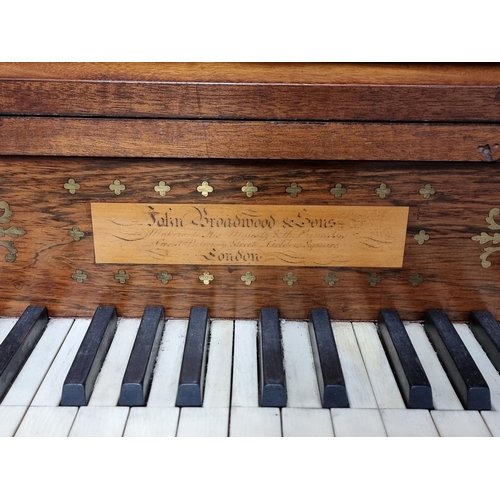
[374,279]
[416,279]
[79,276]
[427,191]
[248,278]
[382,191]
[293,189]
[494,238]
[117,187]
[12,232]
[76,233]
[249,189]
[338,190]
[164,277]
[122,277]
[421,237]
[162,188]
[205,189]
[206,278]
[72,186]
[332,279]
[290,279]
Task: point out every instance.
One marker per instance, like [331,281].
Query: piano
[249,249]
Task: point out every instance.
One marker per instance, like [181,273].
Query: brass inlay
[164,277]
[427,191]
[249,189]
[117,187]
[332,279]
[338,190]
[122,276]
[382,191]
[421,237]
[72,186]
[79,276]
[293,189]
[7,212]
[76,234]
[205,188]
[206,278]
[487,238]
[290,279]
[374,279]
[162,188]
[12,232]
[248,278]
[416,279]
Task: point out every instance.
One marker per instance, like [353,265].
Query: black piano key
[486,329]
[79,383]
[19,343]
[326,359]
[137,377]
[410,375]
[194,359]
[467,380]
[272,374]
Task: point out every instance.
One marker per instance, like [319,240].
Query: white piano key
[245,389]
[359,389]
[152,422]
[220,357]
[443,394]
[459,423]
[382,380]
[255,422]
[408,423]
[492,421]
[301,382]
[203,422]
[100,421]
[306,422]
[357,422]
[34,370]
[10,418]
[482,361]
[49,392]
[108,384]
[6,325]
[47,421]
[168,365]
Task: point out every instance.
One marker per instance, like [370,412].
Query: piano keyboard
[231,394]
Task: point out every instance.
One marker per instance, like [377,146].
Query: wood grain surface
[288,91]
[249,139]
[448,261]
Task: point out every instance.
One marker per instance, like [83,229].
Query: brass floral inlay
[416,279]
[293,189]
[76,233]
[338,190]
[206,278]
[12,232]
[427,191]
[249,189]
[79,276]
[164,277]
[374,279]
[122,277]
[205,189]
[421,237]
[290,279]
[382,191]
[248,278]
[72,186]
[117,187]
[332,279]
[489,238]
[162,188]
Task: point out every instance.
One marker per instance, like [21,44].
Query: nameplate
[252,235]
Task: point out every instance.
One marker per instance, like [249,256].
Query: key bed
[230,405]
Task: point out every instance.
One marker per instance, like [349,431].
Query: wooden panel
[260,235]
[272,91]
[248,139]
[449,261]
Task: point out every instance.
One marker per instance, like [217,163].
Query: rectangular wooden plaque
[254,235]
